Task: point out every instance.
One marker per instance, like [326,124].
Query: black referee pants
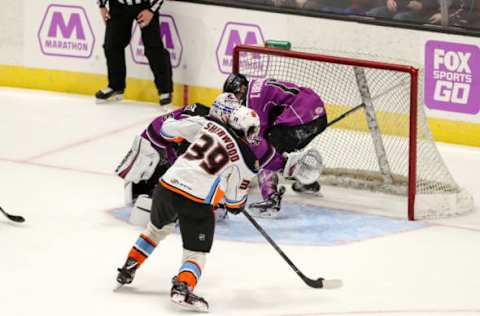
[117,37]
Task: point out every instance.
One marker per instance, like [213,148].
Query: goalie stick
[341,117]
[319,283]
[14,218]
[362,105]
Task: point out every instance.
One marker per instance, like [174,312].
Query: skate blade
[109,100]
[117,286]
[332,284]
[180,302]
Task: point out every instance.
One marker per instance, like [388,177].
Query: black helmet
[234,83]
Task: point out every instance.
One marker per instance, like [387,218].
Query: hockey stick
[354,109]
[341,117]
[319,283]
[15,218]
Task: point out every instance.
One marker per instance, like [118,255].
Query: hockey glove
[139,163]
[305,166]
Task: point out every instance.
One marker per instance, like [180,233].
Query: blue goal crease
[309,225]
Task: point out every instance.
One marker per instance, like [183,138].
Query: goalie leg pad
[128,193]
[139,163]
[140,214]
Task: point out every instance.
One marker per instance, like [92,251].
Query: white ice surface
[57,154]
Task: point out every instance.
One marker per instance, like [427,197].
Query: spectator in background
[474,22]
[462,13]
[330,6]
[118,19]
[363,6]
[347,7]
[417,11]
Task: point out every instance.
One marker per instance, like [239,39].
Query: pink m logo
[234,34]
[66,31]
[234,39]
[74,24]
[169,35]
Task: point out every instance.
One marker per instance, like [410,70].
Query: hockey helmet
[223,106]
[246,122]
[238,85]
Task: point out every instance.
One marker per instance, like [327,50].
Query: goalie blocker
[139,163]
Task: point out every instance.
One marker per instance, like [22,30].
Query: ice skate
[126,273]
[165,99]
[184,297]
[268,208]
[107,95]
[313,188]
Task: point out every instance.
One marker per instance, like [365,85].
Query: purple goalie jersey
[280,103]
[283,103]
[152,132]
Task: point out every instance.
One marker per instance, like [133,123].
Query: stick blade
[332,284]
[322,283]
[16,218]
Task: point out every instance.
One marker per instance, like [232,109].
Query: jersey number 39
[212,159]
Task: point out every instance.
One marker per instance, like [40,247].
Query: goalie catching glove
[139,163]
[305,166]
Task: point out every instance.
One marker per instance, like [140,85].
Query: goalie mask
[223,106]
[238,85]
[246,122]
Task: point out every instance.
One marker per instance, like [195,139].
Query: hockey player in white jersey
[148,159]
[218,164]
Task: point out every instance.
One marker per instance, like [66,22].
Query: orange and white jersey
[216,165]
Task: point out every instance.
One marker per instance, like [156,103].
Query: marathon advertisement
[68,35]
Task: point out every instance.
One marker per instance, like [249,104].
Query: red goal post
[296,66]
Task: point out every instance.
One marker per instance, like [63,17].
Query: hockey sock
[191,269]
[143,247]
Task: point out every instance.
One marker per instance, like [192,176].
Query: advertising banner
[236,33]
[170,38]
[66,31]
[67,35]
[452,77]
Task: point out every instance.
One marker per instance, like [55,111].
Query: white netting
[350,149]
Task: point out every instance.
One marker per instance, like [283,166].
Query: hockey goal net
[384,143]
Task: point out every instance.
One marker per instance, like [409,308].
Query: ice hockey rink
[57,156]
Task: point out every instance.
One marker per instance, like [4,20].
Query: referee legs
[117,36]
[158,57]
